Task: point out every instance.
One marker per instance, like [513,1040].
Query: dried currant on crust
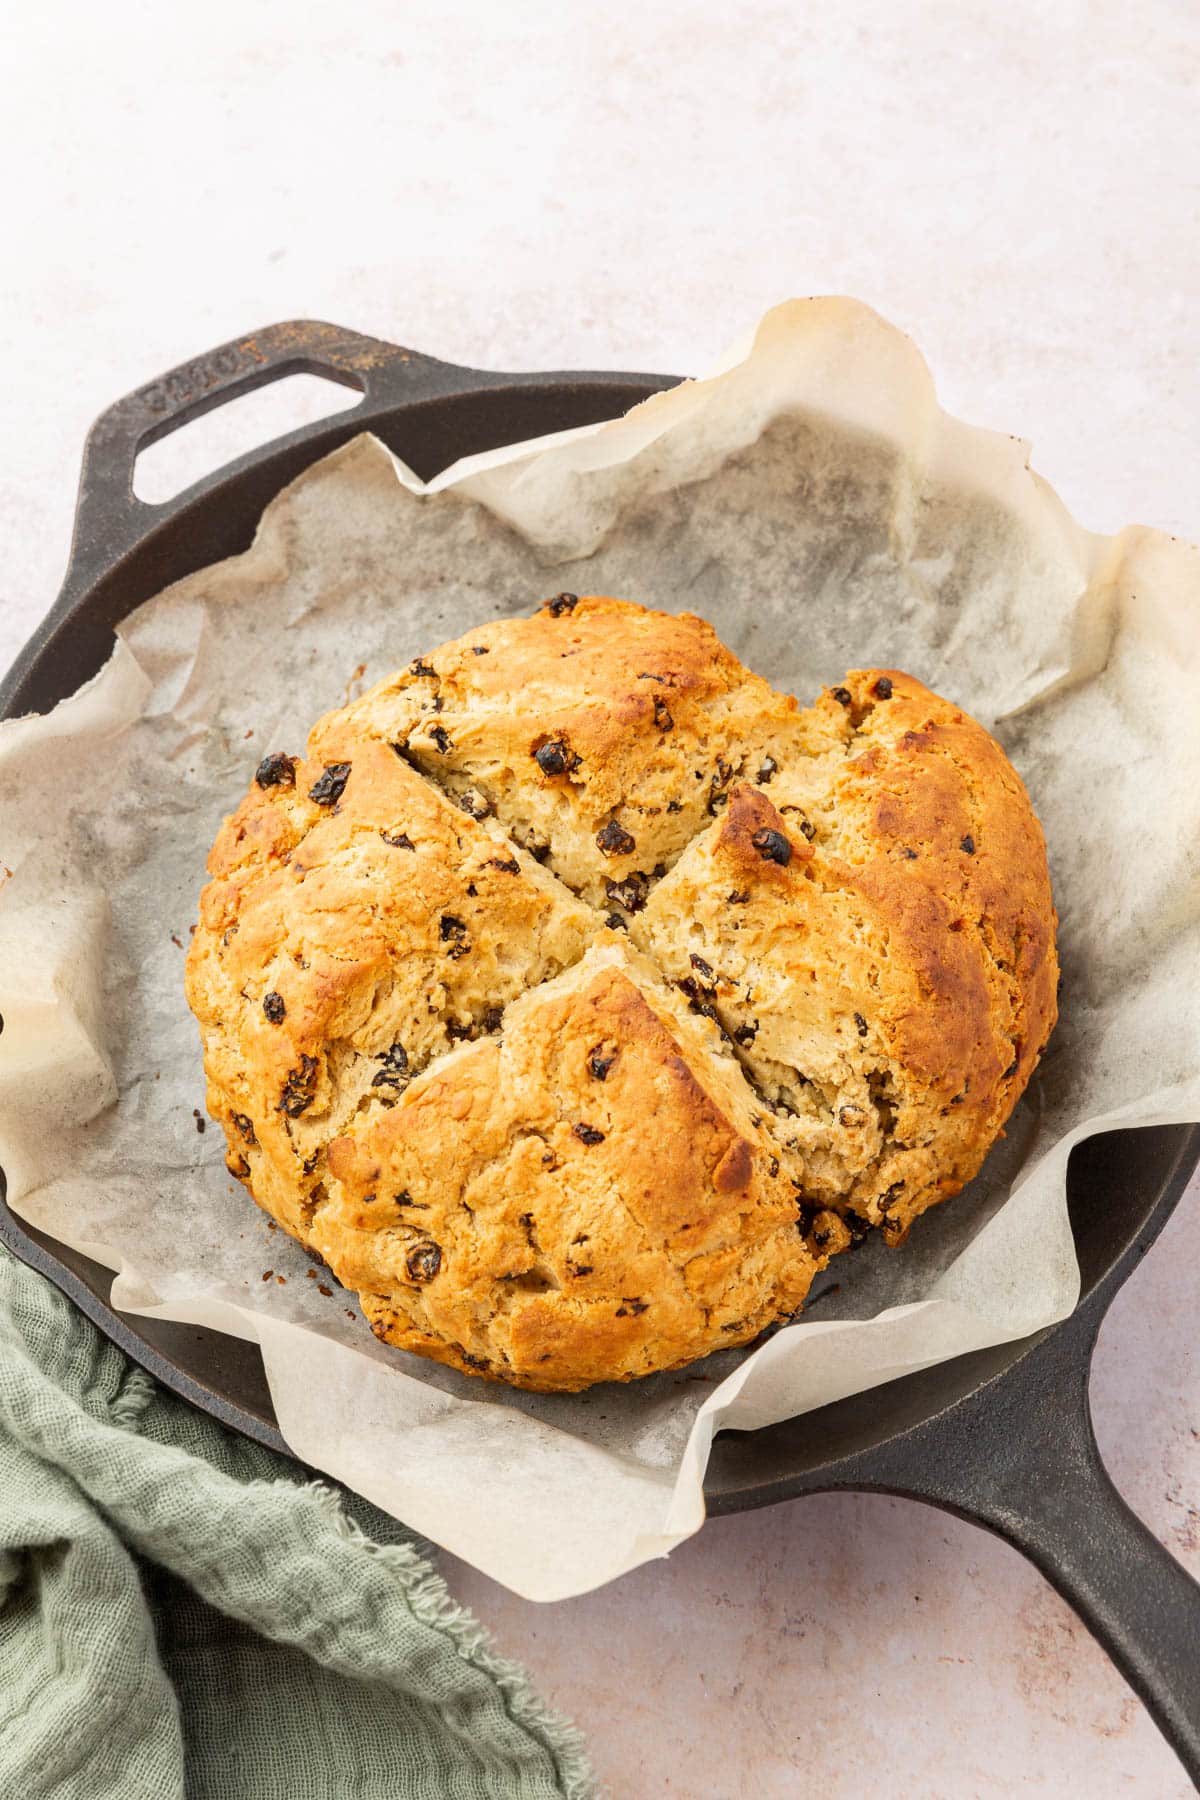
[629,892]
[555,757]
[423,1261]
[299,1088]
[772,846]
[276,770]
[721,777]
[454,933]
[273,1006]
[475,804]
[614,840]
[701,999]
[327,789]
[394,1071]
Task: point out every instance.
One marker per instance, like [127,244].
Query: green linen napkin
[181,1614]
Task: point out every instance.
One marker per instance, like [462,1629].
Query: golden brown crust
[386,927]
[571,1228]
[890,982]
[599,715]
[851,909]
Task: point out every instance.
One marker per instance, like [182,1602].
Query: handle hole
[163,469]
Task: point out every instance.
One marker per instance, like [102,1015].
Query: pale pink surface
[631,185]
[854,1645]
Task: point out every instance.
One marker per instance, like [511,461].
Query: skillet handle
[123,549]
[110,516]
[1048,1493]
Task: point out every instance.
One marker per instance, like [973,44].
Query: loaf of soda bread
[578,995]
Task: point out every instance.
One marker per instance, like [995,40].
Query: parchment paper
[813,502]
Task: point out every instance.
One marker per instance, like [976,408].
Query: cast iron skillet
[1003,1437]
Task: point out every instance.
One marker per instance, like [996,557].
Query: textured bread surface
[579,995]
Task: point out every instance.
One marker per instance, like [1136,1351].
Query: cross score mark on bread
[579,995]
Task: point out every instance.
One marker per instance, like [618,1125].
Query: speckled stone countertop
[630,186]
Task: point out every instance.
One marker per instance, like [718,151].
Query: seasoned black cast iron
[1003,1437]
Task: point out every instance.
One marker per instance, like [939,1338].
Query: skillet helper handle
[110,517]
[1023,1461]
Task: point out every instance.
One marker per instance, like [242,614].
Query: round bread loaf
[579,995]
